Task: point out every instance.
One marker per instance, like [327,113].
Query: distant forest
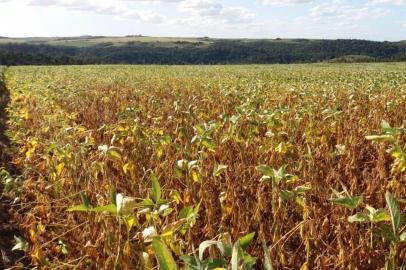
[215,52]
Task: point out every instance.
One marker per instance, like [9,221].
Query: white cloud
[337,10]
[218,18]
[204,11]
[393,2]
[162,1]
[330,19]
[286,2]
[100,7]
[201,7]
[237,15]
[212,12]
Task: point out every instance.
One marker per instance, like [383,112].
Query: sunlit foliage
[134,167]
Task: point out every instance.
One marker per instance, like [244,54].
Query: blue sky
[375,19]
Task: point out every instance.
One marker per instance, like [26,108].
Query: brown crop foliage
[103,129]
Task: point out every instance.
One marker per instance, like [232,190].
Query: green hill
[204,50]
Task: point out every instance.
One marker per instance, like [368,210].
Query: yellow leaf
[159,152]
[187,198]
[127,250]
[114,154]
[29,152]
[195,176]
[59,168]
[167,233]
[38,255]
[175,248]
[33,234]
[81,129]
[40,229]
[53,176]
[176,196]
[131,222]
[228,209]
[129,167]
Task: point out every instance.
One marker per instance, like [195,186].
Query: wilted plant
[391,136]
[155,231]
[232,256]
[377,219]
[279,177]
[93,130]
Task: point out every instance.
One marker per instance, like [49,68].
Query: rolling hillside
[172,50]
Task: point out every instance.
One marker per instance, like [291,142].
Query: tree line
[217,52]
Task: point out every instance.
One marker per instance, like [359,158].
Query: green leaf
[402,237]
[85,200]
[64,248]
[235,118]
[385,231]
[21,244]
[114,154]
[225,245]
[219,170]
[173,227]
[300,200]
[190,261]
[349,202]
[166,139]
[146,203]
[186,212]
[385,125]
[246,240]
[189,212]
[203,246]
[110,208]
[265,170]
[378,215]
[208,143]
[359,218]
[381,138]
[396,216]
[114,197]
[163,255]
[387,129]
[78,208]
[235,256]
[249,261]
[287,194]
[156,188]
[302,189]
[215,264]
[267,259]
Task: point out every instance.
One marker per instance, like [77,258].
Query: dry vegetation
[115,158]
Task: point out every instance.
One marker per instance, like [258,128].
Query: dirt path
[8,229]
